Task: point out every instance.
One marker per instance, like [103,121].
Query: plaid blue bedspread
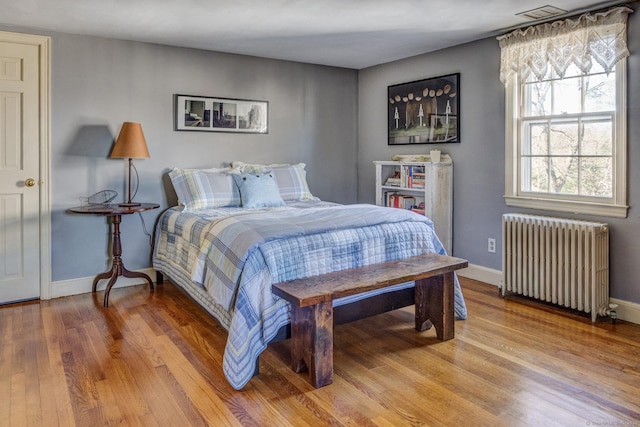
[240,256]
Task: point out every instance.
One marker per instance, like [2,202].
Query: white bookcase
[407,189]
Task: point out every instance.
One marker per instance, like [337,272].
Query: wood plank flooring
[155,359]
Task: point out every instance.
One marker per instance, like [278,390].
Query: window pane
[549,73]
[573,71]
[538,134]
[539,174]
[564,175]
[596,68]
[567,96]
[563,139]
[596,176]
[597,139]
[600,93]
[538,99]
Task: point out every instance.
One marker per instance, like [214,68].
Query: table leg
[118,268]
[106,275]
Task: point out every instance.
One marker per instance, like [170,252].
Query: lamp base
[129,204]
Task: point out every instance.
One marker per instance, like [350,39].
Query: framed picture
[424,111]
[204,113]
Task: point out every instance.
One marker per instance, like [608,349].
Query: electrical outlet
[491,245]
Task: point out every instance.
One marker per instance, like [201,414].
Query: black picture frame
[424,111]
[212,114]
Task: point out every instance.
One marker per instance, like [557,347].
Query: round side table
[115,212]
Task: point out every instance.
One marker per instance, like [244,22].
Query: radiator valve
[612,312]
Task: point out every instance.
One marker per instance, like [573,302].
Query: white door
[19,172]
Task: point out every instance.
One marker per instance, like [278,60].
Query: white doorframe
[44,49]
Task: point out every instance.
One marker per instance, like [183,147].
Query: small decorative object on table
[100,198]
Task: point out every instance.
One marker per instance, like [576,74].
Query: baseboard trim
[81,285]
[626,310]
[482,274]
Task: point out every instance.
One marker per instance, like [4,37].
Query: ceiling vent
[543,12]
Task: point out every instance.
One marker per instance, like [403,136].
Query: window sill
[585,208]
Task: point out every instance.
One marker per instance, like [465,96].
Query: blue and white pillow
[291,179]
[258,190]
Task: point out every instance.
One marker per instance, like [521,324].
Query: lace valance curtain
[600,37]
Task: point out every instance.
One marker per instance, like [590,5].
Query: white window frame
[616,206]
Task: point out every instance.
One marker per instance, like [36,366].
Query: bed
[237,231]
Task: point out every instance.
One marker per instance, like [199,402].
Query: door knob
[29,182]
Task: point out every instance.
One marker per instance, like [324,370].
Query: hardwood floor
[155,359]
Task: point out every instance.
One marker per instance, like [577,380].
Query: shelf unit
[436,194]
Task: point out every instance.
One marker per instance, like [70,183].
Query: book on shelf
[393,182]
[417,181]
[418,208]
[403,201]
[412,176]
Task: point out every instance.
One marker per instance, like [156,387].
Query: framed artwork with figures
[424,111]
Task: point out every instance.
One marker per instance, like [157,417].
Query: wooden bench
[312,305]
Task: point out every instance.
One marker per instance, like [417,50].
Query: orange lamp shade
[130,143]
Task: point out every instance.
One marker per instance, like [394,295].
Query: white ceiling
[344,33]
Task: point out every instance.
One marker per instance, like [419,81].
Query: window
[566,118]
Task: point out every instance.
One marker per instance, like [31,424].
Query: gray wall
[479,157]
[99,83]
[332,119]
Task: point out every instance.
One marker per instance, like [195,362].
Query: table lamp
[132,145]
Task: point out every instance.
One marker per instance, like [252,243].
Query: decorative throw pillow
[291,179]
[202,189]
[258,190]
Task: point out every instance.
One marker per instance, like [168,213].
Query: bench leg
[434,305]
[312,342]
